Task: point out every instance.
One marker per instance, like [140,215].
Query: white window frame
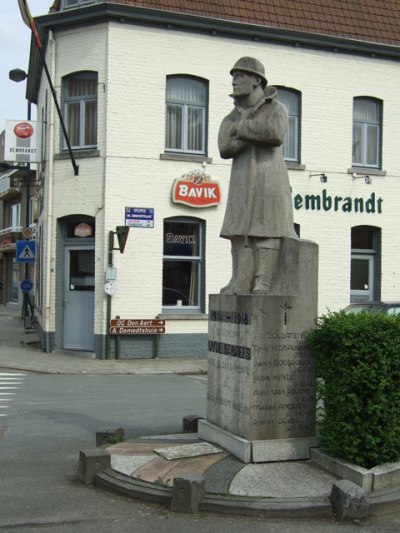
[364,295]
[291,143]
[373,257]
[82,101]
[185,108]
[198,260]
[71,4]
[367,129]
[15,216]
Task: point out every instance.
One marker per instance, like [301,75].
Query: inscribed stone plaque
[261,381]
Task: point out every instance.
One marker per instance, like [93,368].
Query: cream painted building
[143,93]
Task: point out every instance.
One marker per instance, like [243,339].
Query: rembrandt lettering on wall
[346,204]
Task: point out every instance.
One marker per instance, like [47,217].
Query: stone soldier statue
[259,210]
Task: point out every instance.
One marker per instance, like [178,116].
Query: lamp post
[19,75]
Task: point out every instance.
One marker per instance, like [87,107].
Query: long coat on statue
[259,200]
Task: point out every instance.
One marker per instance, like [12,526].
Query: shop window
[183,265]
[365,264]
[80,109]
[367,132]
[186,115]
[291,144]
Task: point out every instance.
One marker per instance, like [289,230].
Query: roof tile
[365,20]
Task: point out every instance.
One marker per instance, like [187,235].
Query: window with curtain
[186,115]
[183,264]
[291,144]
[80,109]
[367,131]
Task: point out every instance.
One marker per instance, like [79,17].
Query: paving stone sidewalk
[20,350]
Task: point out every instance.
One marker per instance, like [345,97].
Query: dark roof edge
[181,21]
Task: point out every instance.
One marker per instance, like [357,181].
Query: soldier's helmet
[251,65]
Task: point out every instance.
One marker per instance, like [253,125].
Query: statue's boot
[242,268]
[266,266]
[230,288]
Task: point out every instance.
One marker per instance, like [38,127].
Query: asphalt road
[48,419]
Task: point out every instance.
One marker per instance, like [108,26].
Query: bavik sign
[196,189]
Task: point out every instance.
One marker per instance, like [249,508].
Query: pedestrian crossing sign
[25,251]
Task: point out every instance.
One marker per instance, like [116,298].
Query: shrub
[358,360]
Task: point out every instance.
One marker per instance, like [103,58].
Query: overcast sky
[14,53]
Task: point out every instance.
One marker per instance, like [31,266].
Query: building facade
[18,213]
[143,92]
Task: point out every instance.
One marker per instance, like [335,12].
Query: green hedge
[358,361]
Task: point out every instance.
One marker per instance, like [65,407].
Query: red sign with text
[196,189]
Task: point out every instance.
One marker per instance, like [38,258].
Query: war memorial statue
[259,208]
[261,375]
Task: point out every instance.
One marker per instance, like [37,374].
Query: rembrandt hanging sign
[23,141]
[196,189]
[371,204]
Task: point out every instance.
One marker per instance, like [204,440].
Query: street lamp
[19,75]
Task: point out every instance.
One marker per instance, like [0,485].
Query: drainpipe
[49,215]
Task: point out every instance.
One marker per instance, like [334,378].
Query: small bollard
[349,500]
[110,436]
[91,462]
[187,493]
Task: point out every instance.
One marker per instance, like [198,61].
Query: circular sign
[26,285]
[23,130]
[83,230]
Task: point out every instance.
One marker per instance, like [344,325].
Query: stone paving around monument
[142,460]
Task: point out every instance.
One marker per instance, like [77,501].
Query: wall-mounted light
[323,178]
[366,178]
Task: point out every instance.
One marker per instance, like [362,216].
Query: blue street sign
[25,251]
[139,217]
[26,285]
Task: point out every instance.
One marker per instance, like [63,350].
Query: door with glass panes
[79,298]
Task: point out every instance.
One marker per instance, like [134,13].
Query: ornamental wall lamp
[323,178]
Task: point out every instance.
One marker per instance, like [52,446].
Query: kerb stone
[190,422]
[349,500]
[91,462]
[187,493]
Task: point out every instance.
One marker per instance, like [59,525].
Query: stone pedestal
[261,380]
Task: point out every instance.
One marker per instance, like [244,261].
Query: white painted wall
[133,63]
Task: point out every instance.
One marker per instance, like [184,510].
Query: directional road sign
[119,330]
[136,326]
